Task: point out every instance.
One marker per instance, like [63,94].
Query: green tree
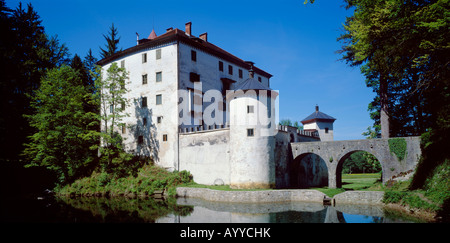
[111,98]
[90,64]
[288,122]
[64,140]
[26,53]
[403,49]
[361,162]
[375,133]
[112,42]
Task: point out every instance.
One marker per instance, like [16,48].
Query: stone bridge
[334,153]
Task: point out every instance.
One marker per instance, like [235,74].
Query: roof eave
[180,35]
[317,120]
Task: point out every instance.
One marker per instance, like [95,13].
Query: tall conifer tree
[112,42]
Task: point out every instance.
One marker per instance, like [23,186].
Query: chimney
[250,71]
[188,26]
[169,29]
[204,36]
[317,108]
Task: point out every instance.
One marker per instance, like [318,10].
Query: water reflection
[187,210]
[289,212]
[127,210]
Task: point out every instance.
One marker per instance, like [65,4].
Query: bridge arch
[308,170]
[347,155]
[335,152]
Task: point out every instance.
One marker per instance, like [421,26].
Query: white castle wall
[207,66]
[175,65]
[251,158]
[163,152]
[206,155]
[320,127]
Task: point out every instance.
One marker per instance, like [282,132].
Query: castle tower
[321,123]
[252,141]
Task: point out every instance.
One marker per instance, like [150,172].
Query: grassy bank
[433,196]
[148,179]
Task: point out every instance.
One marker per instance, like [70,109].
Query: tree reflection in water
[122,209]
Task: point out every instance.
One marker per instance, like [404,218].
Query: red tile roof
[179,35]
[152,35]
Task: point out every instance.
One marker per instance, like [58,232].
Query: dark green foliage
[144,182]
[397,146]
[64,141]
[90,66]
[405,44]
[112,42]
[361,162]
[26,53]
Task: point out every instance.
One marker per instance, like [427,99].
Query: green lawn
[355,182]
[361,181]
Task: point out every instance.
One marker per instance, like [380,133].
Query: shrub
[143,182]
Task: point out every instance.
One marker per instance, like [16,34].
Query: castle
[198,108]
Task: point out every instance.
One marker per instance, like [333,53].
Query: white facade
[163,73]
[325,129]
[143,121]
[252,153]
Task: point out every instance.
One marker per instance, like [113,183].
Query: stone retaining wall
[359,197]
[270,196]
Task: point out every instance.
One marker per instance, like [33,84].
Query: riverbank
[430,217]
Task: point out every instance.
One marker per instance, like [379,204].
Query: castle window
[122,64]
[111,108]
[144,102]
[326,129]
[193,55]
[240,73]
[158,76]
[159,99]
[158,119]
[250,109]
[230,69]
[259,79]
[124,129]
[220,66]
[250,132]
[158,54]
[144,79]
[193,77]
[144,58]
[141,140]
[164,137]
[122,105]
[144,121]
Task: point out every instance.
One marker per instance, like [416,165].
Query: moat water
[122,210]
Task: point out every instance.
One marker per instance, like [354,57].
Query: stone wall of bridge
[334,153]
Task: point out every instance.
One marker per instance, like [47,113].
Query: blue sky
[294,42]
